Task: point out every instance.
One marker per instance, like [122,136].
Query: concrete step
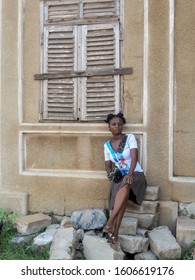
[147,213]
[133,244]
[147,207]
[148,221]
[152,193]
[128,226]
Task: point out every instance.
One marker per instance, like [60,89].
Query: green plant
[23,251]
[189,254]
[7,219]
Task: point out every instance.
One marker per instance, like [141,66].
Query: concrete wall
[61,166]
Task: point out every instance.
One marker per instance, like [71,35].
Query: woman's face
[116,125]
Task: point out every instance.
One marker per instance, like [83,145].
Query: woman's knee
[124,190]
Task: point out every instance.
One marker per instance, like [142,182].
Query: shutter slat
[92,9]
[80,10]
[62,10]
[59,42]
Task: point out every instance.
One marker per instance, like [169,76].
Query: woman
[128,180]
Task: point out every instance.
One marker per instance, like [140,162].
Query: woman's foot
[112,239]
[107,229]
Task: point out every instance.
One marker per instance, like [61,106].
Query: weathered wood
[74,74]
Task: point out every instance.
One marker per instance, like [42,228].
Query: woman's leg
[119,219]
[119,206]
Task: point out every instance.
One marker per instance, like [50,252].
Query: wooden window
[80,59]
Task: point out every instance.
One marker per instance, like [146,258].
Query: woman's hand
[128,179]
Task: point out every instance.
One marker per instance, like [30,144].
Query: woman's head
[115,123]
[111,116]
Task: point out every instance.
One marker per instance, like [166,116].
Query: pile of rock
[80,236]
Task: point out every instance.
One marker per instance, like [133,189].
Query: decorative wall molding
[172,98]
[23,170]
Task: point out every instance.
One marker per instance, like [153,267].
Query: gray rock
[133,244]
[148,255]
[46,237]
[128,226]
[97,248]
[61,246]
[163,244]
[88,219]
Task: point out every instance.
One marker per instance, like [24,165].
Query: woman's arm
[133,154]
[129,177]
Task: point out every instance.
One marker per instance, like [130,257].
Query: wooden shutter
[59,95]
[80,36]
[105,9]
[101,94]
[61,10]
[80,11]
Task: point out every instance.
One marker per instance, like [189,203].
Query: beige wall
[61,166]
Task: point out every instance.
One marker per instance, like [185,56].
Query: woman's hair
[111,116]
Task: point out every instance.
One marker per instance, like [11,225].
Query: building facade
[64,66]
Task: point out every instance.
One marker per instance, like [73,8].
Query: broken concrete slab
[97,248]
[32,223]
[61,246]
[147,207]
[163,244]
[128,226]
[148,255]
[46,237]
[144,220]
[133,244]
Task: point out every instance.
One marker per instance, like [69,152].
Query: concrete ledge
[15,201]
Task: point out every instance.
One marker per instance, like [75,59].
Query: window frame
[80,106]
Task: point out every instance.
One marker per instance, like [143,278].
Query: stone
[163,244]
[152,193]
[46,237]
[32,223]
[66,222]
[144,220]
[61,246]
[142,232]
[133,244]
[97,248]
[185,233]
[89,219]
[148,255]
[128,226]
[187,209]
[147,207]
